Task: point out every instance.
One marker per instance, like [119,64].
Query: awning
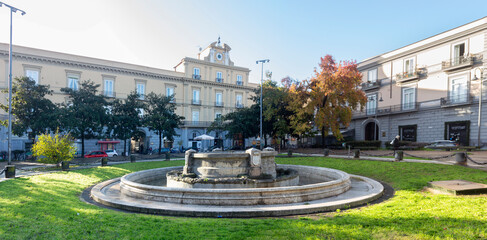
[106,142]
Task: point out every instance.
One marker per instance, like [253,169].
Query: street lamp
[480,99]
[261,80]
[375,124]
[12,10]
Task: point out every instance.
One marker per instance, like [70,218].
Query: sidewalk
[24,169]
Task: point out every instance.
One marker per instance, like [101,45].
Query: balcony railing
[219,80]
[110,94]
[400,108]
[239,83]
[457,62]
[196,102]
[197,77]
[196,123]
[239,105]
[407,76]
[456,100]
[219,104]
[371,85]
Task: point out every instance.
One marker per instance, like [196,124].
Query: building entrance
[371,131]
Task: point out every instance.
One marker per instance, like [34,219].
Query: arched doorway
[371,131]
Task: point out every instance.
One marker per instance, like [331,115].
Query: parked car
[111,153]
[163,150]
[442,144]
[96,154]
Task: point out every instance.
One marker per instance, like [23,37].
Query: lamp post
[261,80]
[12,10]
[480,100]
[375,124]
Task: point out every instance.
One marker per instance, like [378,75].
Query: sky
[293,35]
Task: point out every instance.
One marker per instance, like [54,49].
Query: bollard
[64,165]
[10,171]
[104,161]
[326,152]
[356,153]
[168,156]
[461,159]
[132,158]
[399,155]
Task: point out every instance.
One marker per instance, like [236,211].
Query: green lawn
[48,207]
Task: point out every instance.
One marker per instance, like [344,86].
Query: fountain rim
[344,177]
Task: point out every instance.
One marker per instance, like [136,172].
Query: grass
[48,207]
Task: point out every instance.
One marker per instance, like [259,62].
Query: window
[196,97]
[141,90]
[196,73]
[238,101]
[195,116]
[218,115]
[408,98]
[170,93]
[371,104]
[458,53]
[458,89]
[218,99]
[108,87]
[408,133]
[372,75]
[219,77]
[239,80]
[73,81]
[33,74]
[409,66]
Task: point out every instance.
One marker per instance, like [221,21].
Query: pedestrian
[395,143]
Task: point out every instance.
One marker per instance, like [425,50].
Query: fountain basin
[315,183]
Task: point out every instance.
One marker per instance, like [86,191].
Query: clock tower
[216,53]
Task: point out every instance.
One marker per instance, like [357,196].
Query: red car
[95,154]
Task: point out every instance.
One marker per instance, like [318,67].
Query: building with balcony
[428,90]
[203,87]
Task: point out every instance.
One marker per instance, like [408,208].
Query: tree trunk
[323,137]
[160,142]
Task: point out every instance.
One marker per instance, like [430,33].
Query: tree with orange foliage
[332,94]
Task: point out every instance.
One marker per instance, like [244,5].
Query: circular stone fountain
[236,184]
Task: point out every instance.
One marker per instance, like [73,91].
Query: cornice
[194,60]
[378,60]
[90,66]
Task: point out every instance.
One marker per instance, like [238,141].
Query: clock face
[219,56]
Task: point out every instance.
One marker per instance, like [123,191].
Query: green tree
[85,114]
[300,120]
[274,110]
[31,108]
[161,118]
[54,148]
[125,117]
[243,121]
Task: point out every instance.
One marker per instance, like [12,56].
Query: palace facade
[203,87]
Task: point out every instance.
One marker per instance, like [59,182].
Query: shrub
[54,148]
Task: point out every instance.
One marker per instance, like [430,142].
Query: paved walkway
[24,169]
